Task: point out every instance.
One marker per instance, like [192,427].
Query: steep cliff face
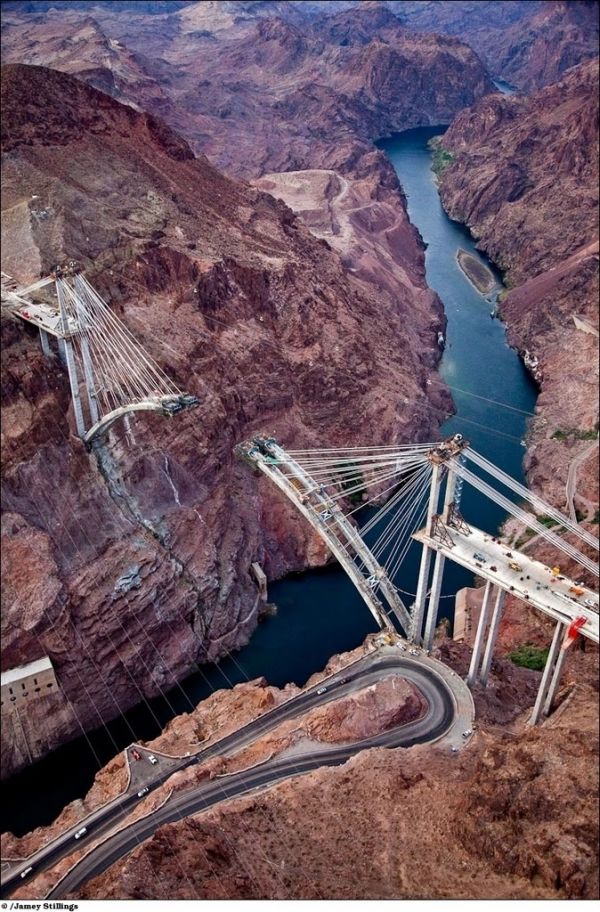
[129,566]
[524,178]
[529,162]
[528,43]
[264,94]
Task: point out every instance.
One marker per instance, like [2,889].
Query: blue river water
[319,612]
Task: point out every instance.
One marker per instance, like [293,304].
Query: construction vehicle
[576,590]
[515,566]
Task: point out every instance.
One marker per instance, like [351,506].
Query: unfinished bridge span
[412,493]
[110,374]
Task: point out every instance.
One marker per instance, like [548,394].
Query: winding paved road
[571,485]
[449,714]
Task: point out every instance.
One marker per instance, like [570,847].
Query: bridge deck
[533,583]
[42,314]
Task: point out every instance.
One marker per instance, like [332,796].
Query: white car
[590,603]
[143,792]
[152,759]
[80,832]
[321,690]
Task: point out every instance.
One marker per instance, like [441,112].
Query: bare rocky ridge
[367,228]
[265,94]
[263,324]
[527,43]
[524,178]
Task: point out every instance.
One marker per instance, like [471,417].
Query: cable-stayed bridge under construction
[110,373]
[413,491]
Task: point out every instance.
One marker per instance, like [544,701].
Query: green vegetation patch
[524,538]
[547,521]
[576,433]
[440,158]
[529,656]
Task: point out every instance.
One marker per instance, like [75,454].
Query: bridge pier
[434,599]
[550,677]
[45,342]
[419,607]
[438,568]
[74,382]
[89,381]
[492,636]
[70,362]
[556,676]
[61,350]
[480,635]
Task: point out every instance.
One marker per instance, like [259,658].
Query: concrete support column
[45,341]
[492,635]
[450,490]
[89,381]
[434,599]
[438,569]
[419,606]
[70,361]
[556,676]
[88,370]
[479,637]
[61,350]
[73,380]
[547,675]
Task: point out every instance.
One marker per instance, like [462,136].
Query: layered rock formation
[528,43]
[524,178]
[128,568]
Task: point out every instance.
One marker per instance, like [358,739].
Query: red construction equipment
[573,632]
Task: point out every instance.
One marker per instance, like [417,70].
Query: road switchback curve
[449,716]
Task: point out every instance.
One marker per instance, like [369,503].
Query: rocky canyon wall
[128,566]
[523,175]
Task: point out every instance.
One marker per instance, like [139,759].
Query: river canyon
[308,288]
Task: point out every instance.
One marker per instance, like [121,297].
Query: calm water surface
[320,613]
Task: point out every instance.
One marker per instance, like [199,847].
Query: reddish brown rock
[524,178]
[396,824]
[263,94]
[145,549]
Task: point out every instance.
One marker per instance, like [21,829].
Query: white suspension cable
[526,518]
[537,502]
